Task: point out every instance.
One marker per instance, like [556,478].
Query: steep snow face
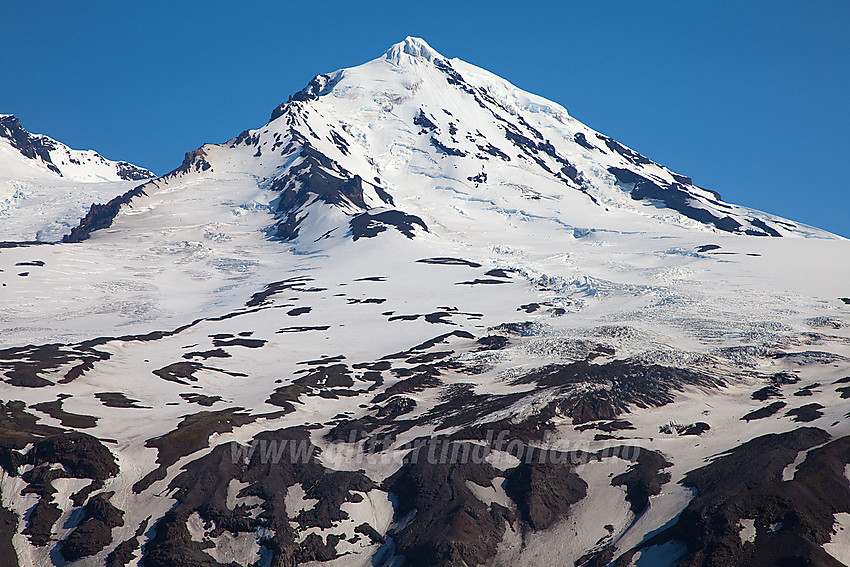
[410,251]
[46,187]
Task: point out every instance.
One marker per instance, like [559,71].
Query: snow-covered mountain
[423,317]
[426,131]
[46,187]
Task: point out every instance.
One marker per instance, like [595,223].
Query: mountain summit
[414,47]
[422,317]
[414,132]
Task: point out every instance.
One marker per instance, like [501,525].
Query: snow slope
[415,253]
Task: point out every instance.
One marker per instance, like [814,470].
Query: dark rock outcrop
[643,479]
[32,147]
[94,532]
[604,391]
[450,526]
[793,519]
[192,434]
[544,491]
[101,216]
[275,461]
[8,528]
[676,196]
[370,224]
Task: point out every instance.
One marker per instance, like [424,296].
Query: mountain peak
[414,47]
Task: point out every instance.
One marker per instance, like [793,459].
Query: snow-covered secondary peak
[45,153]
[414,47]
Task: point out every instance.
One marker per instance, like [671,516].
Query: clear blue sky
[748,98]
